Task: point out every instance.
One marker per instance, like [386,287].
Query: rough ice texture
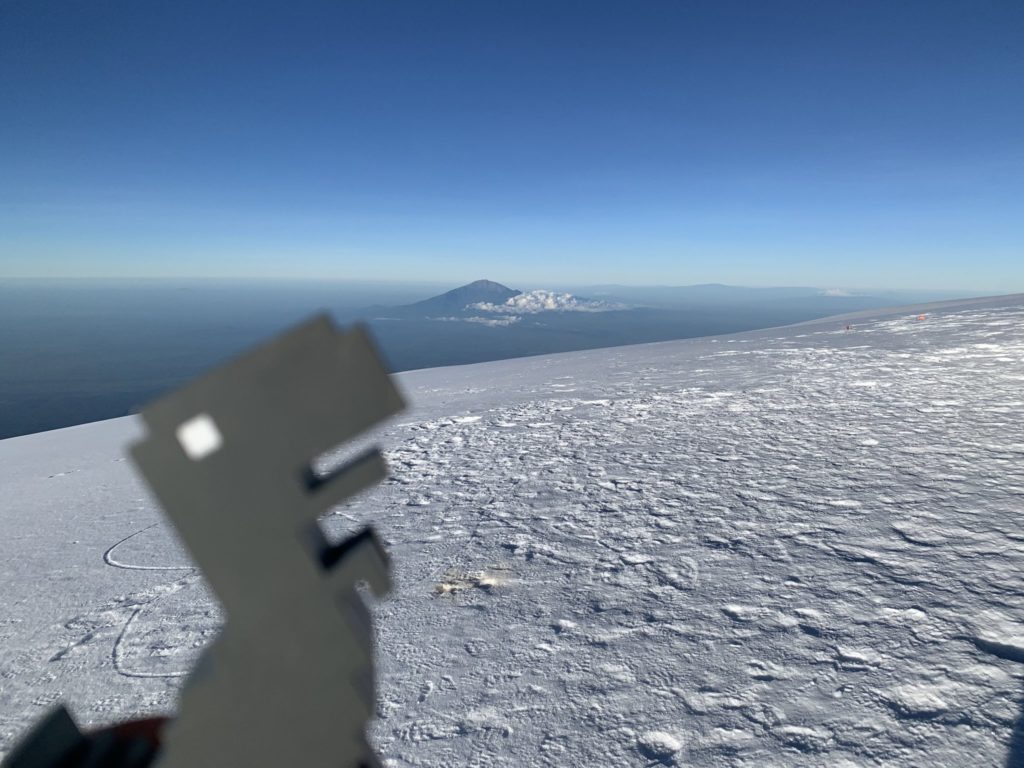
[793,547]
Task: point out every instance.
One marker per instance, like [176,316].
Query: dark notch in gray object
[290,677]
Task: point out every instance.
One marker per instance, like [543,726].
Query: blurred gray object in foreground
[231,457]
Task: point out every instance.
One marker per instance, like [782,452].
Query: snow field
[797,547]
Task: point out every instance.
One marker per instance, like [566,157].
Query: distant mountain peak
[477,292]
[487,288]
[485,285]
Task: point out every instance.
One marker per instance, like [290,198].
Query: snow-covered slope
[800,546]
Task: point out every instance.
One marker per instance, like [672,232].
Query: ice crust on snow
[709,552]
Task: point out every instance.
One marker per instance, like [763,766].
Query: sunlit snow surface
[793,547]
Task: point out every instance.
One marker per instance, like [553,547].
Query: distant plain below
[78,351]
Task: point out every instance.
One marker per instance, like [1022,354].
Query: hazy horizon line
[458,283]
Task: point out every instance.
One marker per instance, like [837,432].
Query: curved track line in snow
[108,556]
[116,653]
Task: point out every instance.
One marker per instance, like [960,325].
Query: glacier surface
[800,546]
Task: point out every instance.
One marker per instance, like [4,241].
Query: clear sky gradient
[823,143]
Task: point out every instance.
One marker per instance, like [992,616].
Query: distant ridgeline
[72,352]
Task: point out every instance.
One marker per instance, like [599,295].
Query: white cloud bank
[532,302]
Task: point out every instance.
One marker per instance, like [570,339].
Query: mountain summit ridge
[457,299]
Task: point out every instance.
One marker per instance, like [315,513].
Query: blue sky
[816,143]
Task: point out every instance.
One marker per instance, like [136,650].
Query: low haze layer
[76,351]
